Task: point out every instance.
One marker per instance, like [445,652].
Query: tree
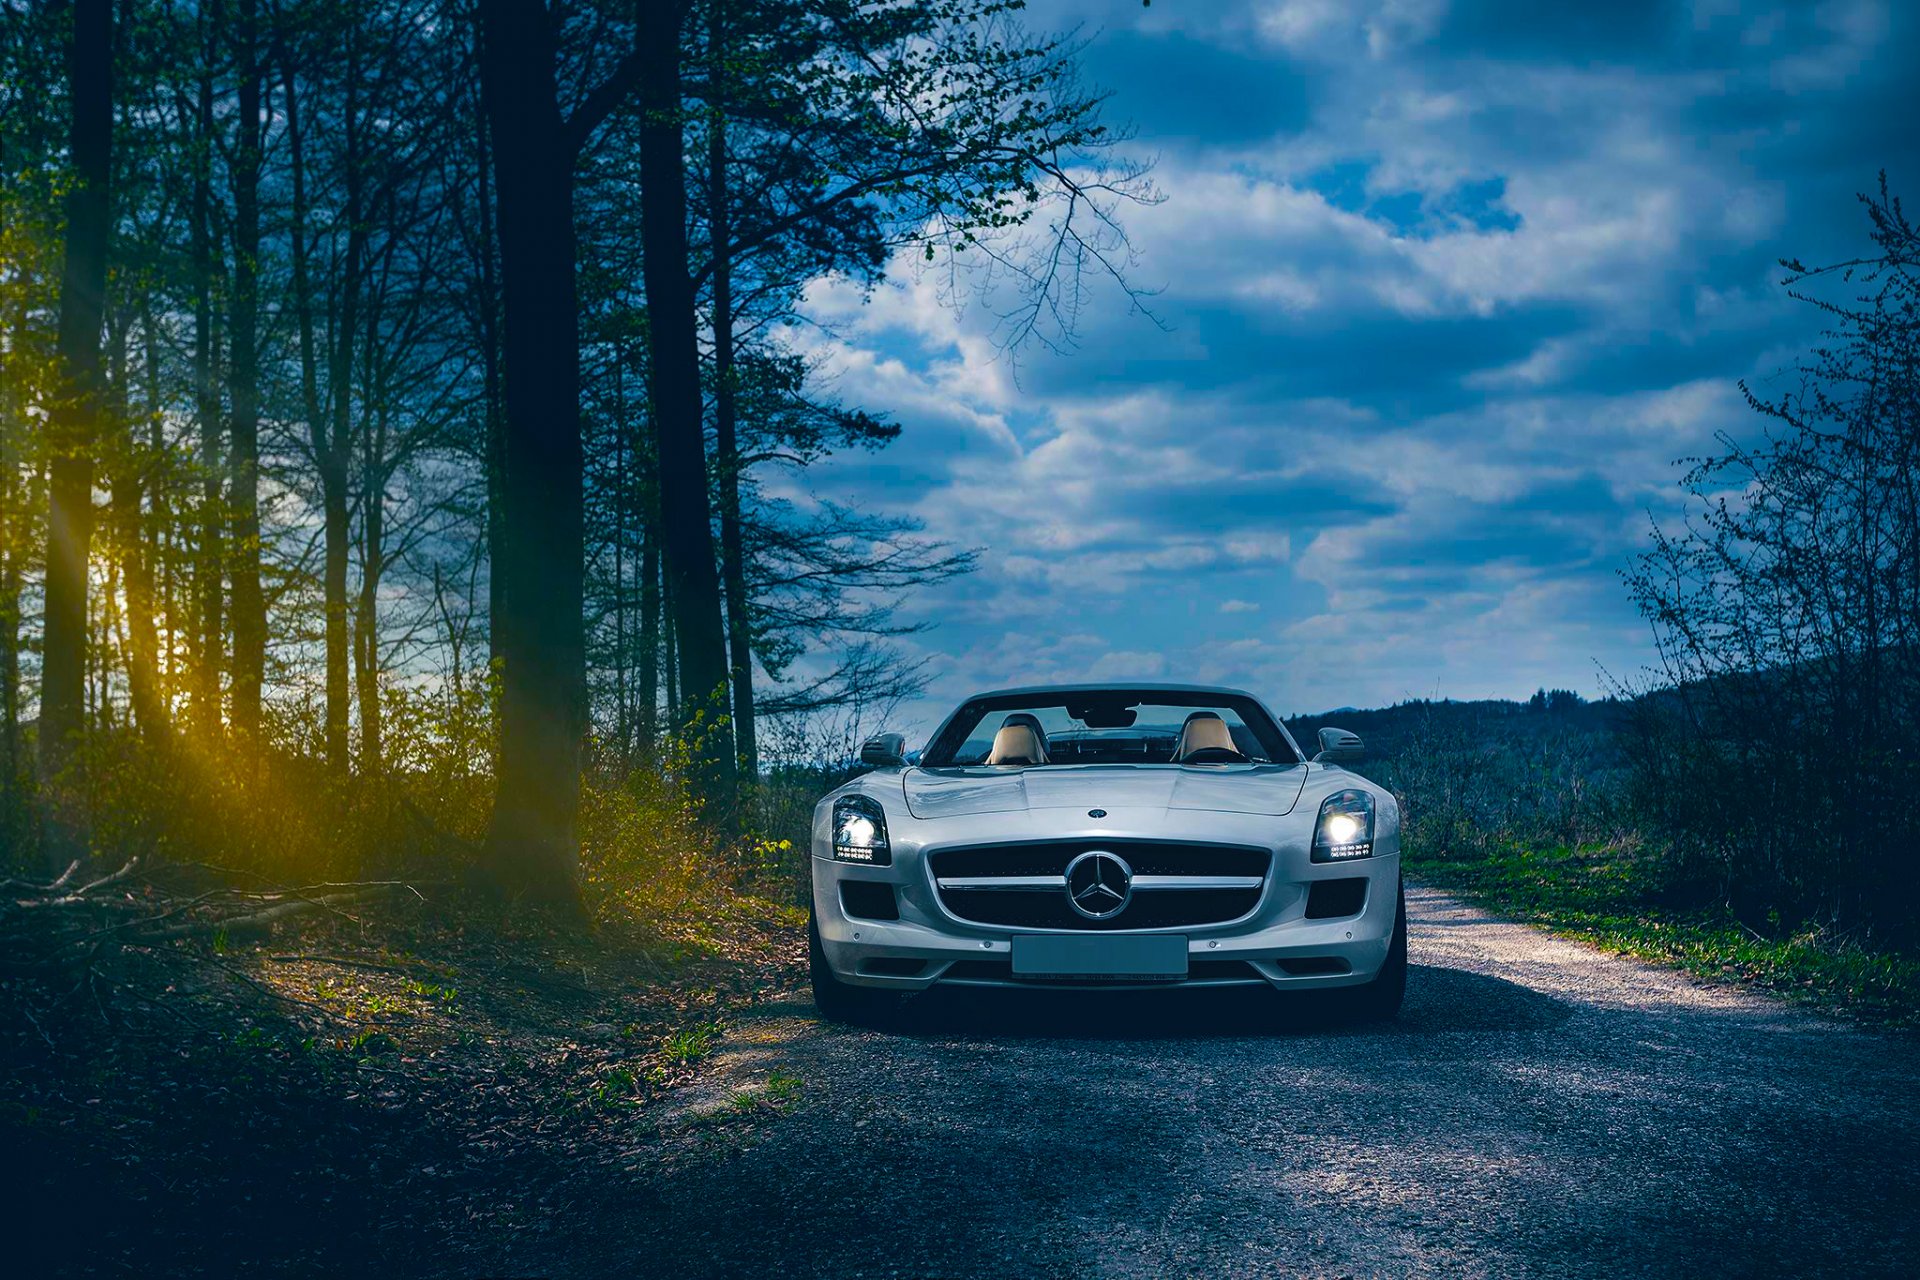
[75,426]
[532,843]
[328,413]
[390,332]
[726,444]
[249,605]
[1784,753]
[838,134]
[209,574]
[678,415]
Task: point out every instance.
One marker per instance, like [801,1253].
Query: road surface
[1538,1109]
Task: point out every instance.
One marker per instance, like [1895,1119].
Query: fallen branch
[79,895]
[59,935]
[252,920]
[12,882]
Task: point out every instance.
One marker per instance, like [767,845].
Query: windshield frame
[956,728]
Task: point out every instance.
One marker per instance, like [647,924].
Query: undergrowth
[1613,896]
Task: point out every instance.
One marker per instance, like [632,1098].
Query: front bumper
[1275,945]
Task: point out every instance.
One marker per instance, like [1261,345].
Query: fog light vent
[893,967]
[869,900]
[1314,966]
[1331,899]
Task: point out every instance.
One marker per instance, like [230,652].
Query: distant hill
[1390,731]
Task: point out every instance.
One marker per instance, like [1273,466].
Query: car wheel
[1381,998]
[839,1001]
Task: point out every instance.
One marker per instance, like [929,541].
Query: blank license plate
[1158,955]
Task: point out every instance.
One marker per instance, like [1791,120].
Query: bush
[1781,759]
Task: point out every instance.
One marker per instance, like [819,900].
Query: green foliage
[1471,776]
[1620,898]
[618,1088]
[371,1044]
[689,1044]
[1779,761]
[780,1094]
[1539,812]
[445,995]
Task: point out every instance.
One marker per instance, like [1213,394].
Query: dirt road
[1538,1109]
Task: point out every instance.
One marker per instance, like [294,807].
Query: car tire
[1380,999]
[839,1001]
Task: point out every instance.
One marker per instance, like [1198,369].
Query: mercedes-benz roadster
[1120,836]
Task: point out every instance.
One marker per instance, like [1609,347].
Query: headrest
[1032,722]
[1016,744]
[1202,730]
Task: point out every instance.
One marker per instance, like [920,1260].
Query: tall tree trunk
[648,727]
[321,416]
[670,659]
[336,456]
[366,646]
[493,403]
[622,503]
[127,490]
[249,605]
[10,516]
[209,631]
[154,546]
[733,572]
[73,428]
[532,843]
[680,438]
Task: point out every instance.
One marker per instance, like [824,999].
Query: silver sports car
[1129,835]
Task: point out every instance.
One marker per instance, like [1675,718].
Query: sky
[1440,290]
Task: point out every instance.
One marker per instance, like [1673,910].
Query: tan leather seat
[1202,730]
[1017,744]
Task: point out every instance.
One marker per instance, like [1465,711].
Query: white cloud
[1311,451]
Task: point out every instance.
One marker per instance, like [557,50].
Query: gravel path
[1538,1109]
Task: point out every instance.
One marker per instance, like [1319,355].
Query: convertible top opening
[1040,728]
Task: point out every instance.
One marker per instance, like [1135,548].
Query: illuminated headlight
[1345,829]
[860,832]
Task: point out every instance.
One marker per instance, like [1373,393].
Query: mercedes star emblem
[1099,884]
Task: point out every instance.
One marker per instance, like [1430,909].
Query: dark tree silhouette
[75,426]
[532,843]
[679,424]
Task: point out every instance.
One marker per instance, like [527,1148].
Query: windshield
[1109,726]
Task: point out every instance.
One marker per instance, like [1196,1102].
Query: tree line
[1778,745]
[355,350]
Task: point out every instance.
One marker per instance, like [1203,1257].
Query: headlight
[1345,829]
[860,832]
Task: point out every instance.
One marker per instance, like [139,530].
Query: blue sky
[1444,287]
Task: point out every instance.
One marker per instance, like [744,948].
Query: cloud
[1445,288]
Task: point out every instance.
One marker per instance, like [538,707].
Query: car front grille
[1023,886]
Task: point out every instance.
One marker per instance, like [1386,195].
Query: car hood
[952,793]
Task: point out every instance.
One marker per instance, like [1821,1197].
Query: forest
[423,640]
[404,467]
[400,445]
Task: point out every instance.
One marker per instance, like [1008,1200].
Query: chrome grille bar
[1058,883]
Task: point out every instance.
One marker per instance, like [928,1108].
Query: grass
[781,1095]
[1610,898]
[688,1045]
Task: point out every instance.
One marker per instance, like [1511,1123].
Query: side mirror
[884,750]
[1339,746]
